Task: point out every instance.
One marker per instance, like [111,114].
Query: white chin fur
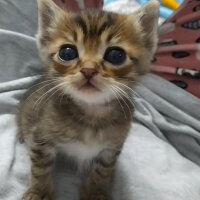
[90,97]
[101,96]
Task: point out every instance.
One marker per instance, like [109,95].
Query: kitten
[83,103]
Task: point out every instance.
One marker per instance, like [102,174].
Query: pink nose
[88,72]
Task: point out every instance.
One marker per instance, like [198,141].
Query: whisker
[117,91]
[45,81]
[50,96]
[52,82]
[132,81]
[125,95]
[61,95]
[122,84]
[119,102]
[39,100]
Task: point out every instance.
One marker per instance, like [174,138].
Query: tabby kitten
[83,103]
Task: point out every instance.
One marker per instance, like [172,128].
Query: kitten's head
[96,56]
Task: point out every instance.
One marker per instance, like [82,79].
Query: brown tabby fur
[55,114]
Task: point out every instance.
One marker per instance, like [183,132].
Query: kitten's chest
[80,151]
[85,147]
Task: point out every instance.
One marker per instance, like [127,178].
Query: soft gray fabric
[19,16]
[160,160]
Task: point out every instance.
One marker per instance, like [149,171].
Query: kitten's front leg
[97,184]
[41,188]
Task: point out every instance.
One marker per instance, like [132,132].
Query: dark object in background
[179,48]
[74,5]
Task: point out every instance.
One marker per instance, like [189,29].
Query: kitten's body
[61,121]
[85,135]
[83,106]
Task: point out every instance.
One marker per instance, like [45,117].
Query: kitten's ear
[48,12]
[147,20]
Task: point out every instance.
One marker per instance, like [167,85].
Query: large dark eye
[68,52]
[115,55]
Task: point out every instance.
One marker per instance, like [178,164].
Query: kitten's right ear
[48,12]
[146,20]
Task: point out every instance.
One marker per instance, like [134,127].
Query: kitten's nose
[88,72]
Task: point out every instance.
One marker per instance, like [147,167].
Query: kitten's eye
[68,52]
[115,55]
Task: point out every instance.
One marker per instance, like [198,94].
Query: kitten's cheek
[63,69]
[60,68]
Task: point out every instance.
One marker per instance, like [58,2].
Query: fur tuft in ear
[149,14]
[48,12]
[147,20]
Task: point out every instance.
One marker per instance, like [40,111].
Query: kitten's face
[96,56]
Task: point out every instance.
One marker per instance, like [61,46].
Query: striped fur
[55,115]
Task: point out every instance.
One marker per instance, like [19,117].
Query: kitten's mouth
[88,86]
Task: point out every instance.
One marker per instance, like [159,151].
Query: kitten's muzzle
[88,73]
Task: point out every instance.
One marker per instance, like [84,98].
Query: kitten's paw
[94,197]
[31,196]
[21,139]
[36,195]
[100,197]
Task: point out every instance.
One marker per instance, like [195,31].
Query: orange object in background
[170,3]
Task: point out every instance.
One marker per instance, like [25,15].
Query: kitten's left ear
[48,13]
[146,19]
